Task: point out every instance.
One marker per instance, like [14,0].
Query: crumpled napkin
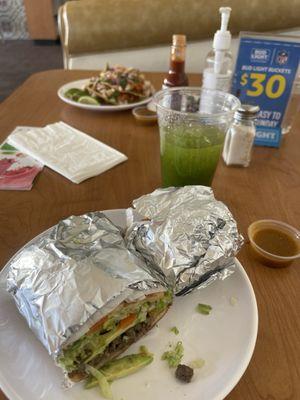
[66,150]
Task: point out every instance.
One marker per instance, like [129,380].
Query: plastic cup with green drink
[192,126]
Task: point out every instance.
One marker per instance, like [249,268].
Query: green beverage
[189,155]
[192,125]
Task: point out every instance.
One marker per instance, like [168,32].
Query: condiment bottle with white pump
[217,73]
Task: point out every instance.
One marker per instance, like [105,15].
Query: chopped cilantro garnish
[174,356]
[175,330]
[123,81]
[204,309]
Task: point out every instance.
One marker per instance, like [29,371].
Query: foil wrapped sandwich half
[88,289]
[187,236]
[85,296]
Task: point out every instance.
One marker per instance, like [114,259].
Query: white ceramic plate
[225,339]
[80,85]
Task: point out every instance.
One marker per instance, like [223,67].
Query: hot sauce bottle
[176,75]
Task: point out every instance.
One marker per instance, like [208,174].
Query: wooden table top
[269,188]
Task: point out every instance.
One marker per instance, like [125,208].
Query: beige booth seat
[138,32]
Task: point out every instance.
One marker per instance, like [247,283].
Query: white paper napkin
[66,150]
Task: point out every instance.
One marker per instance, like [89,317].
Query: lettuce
[91,344]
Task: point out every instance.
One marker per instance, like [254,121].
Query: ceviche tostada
[116,85]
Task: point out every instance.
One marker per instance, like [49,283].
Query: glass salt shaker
[240,136]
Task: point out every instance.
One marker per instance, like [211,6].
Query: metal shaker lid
[246,112]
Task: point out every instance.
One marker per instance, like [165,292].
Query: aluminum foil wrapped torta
[88,294]
[190,237]
[83,293]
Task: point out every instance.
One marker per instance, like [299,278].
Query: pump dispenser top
[218,67]
[222,38]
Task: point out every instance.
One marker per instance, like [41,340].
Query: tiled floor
[21,58]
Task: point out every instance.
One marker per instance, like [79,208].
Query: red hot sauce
[176,75]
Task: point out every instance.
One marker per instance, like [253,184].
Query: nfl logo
[282,57]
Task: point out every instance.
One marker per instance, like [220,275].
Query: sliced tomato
[98,325]
[124,323]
